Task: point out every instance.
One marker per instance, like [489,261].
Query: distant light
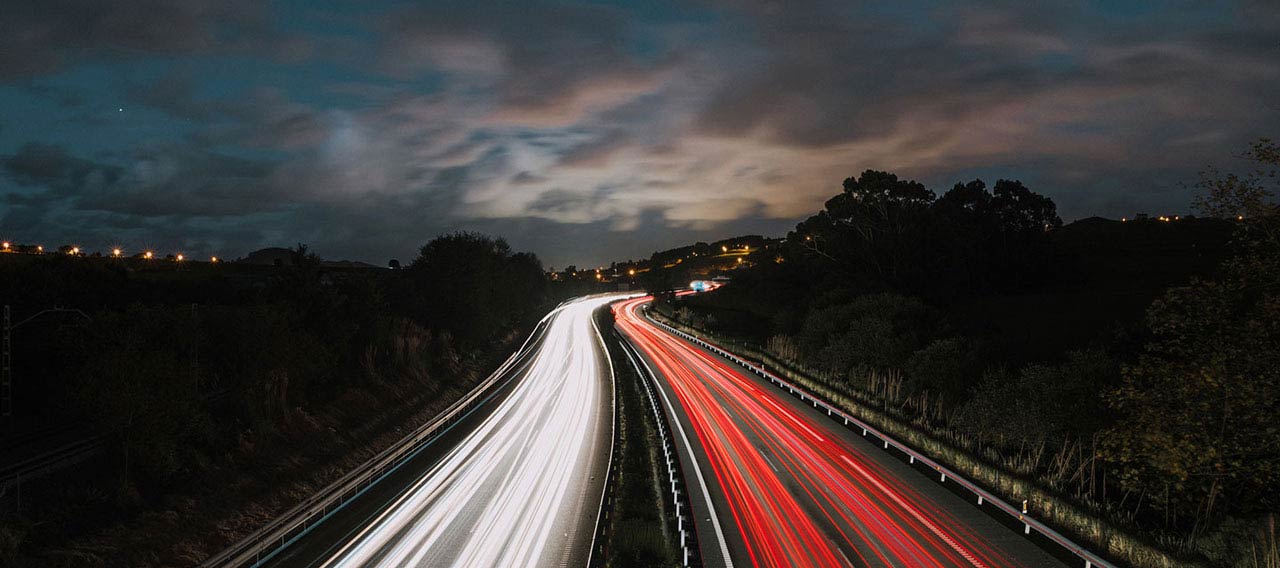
[599,276]
[739,260]
[40,248]
[179,258]
[75,250]
[1124,219]
[808,238]
[115,252]
[213,259]
[724,248]
[147,255]
[631,272]
[6,245]
[745,247]
[1239,217]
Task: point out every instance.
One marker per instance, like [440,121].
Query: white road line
[693,459]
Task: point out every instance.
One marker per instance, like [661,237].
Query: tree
[1198,409]
[474,286]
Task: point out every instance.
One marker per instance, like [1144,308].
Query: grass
[640,530]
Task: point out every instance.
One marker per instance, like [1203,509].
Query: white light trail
[513,492]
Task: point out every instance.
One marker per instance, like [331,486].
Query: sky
[595,131]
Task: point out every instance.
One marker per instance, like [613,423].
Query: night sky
[595,131]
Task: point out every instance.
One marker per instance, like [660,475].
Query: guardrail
[983,496]
[689,551]
[266,541]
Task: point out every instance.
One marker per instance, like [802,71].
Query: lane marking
[702,482]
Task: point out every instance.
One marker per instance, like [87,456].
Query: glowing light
[75,250]
[724,248]
[147,255]
[115,252]
[737,421]
[40,248]
[510,491]
[631,272]
[213,259]
[179,257]
[6,245]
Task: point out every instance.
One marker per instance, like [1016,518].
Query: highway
[519,483]
[777,483]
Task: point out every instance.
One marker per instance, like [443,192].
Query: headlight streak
[833,489]
[508,493]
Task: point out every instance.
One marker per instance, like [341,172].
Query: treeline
[936,308]
[189,371]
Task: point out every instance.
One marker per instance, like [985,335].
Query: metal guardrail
[1029,523]
[267,540]
[690,553]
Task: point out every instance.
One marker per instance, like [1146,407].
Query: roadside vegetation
[228,393]
[639,528]
[1122,374]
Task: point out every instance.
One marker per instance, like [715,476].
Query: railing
[983,496]
[689,552]
[279,533]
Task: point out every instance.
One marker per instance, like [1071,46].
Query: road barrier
[983,496]
[262,544]
[689,551]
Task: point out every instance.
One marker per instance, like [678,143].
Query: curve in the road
[521,488]
[803,494]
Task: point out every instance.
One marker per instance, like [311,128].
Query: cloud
[42,36]
[586,130]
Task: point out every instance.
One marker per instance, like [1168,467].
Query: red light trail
[799,494]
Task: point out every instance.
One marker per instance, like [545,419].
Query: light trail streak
[514,491]
[800,495]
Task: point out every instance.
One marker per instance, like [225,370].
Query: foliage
[474,286]
[873,332]
[1041,402]
[1198,408]
[882,232]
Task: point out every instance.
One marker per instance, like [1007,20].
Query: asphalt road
[777,483]
[517,483]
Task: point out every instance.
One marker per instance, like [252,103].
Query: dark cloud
[50,167]
[592,131]
[42,36]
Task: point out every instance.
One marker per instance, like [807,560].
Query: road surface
[519,483]
[776,483]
